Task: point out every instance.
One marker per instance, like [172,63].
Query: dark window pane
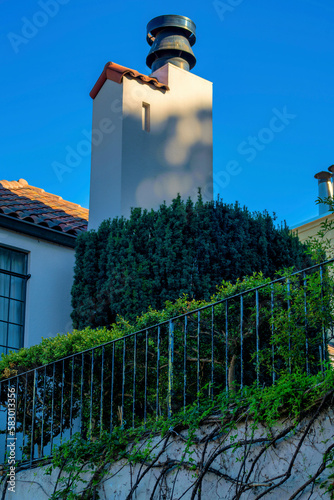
[4,284]
[4,303]
[16,312]
[14,336]
[3,333]
[17,288]
[5,258]
[18,262]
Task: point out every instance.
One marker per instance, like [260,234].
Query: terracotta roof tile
[116,72]
[28,203]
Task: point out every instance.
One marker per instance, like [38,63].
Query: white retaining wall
[33,484]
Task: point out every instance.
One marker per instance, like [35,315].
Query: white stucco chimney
[152,135]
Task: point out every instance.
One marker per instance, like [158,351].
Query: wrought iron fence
[251,337]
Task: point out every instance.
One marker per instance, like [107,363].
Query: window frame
[6,347]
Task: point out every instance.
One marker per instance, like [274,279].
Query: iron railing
[251,337]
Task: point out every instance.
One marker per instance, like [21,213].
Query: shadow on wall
[175,158]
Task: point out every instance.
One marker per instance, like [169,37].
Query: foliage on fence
[261,332]
[294,398]
[129,265]
[54,348]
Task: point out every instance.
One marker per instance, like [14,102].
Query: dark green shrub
[185,248]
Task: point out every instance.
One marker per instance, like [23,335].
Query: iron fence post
[33,413]
[170,367]
[324,333]
[158,375]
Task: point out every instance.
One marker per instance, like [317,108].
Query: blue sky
[265,59]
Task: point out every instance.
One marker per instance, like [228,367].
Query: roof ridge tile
[116,72]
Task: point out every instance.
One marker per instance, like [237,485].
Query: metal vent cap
[171,38]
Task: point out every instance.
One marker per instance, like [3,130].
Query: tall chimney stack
[151,135]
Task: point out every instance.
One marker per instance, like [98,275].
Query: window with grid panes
[13,279]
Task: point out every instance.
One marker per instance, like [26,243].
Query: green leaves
[293,396]
[289,331]
[185,248]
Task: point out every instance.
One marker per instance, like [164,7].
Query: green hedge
[185,248]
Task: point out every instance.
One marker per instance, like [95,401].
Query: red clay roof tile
[20,200]
[116,72]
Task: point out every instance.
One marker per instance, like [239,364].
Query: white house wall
[48,304]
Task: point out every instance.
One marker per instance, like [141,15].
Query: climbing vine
[296,402]
[83,464]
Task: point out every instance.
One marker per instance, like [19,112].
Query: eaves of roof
[41,232]
[116,72]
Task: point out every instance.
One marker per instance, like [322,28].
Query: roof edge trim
[42,232]
[116,72]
